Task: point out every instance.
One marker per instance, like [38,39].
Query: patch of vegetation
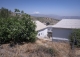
[47,50]
[29,50]
[16,28]
[75,38]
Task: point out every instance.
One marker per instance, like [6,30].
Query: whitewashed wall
[61,34]
[42,33]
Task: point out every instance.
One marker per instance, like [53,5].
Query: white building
[63,29]
[41,29]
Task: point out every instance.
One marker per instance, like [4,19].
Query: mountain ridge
[55,16]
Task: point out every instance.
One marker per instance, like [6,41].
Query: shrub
[75,36]
[17,29]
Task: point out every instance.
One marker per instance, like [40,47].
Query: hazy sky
[58,7]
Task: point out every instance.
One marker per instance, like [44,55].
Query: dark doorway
[49,34]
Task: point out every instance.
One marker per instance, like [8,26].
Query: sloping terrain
[45,20]
[27,50]
[42,48]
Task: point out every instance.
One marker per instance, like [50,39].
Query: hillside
[45,20]
[41,48]
[55,16]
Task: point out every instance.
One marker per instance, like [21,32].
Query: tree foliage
[75,38]
[5,13]
[22,11]
[47,23]
[17,10]
[17,29]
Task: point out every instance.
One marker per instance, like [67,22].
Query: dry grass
[41,48]
[77,52]
[26,50]
[60,47]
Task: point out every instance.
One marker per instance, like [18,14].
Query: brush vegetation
[18,28]
[75,38]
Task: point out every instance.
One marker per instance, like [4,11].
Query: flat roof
[68,23]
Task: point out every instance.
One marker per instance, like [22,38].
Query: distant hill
[49,16]
[70,17]
[55,16]
[45,20]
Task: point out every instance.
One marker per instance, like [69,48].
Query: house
[41,29]
[63,29]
